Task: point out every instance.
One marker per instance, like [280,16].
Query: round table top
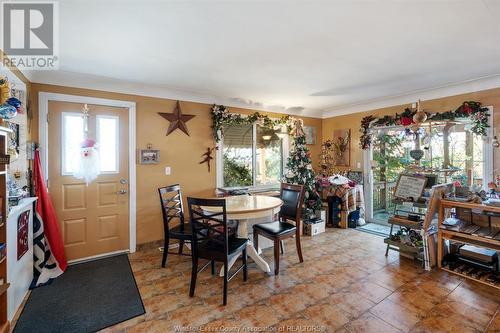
[241,204]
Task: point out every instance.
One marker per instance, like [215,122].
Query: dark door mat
[86,298]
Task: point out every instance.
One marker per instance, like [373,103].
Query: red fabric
[48,215]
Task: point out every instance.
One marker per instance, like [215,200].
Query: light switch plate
[168,171]
[358,165]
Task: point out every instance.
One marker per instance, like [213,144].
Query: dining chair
[277,231]
[212,240]
[172,209]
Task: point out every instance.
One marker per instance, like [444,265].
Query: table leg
[252,252]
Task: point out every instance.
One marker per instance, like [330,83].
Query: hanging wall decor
[177,119]
[207,157]
[87,161]
[342,147]
[471,110]
[148,156]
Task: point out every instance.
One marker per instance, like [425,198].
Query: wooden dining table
[245,208]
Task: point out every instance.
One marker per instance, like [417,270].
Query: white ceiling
[309,57]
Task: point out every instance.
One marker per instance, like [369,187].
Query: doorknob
[123,181]
[122,191]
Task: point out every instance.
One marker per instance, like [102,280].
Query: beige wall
[179,151]
[353,121]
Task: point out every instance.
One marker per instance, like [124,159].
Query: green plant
[236,173]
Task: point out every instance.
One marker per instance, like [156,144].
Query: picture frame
[13,136]
[410,187]
[148,156]
[311,133]
[342,147]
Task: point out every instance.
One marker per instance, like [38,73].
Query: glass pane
[107,137]
[72,136]
[269,157]
[237,154]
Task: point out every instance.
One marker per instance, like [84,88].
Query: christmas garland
[222,117]
[472,110]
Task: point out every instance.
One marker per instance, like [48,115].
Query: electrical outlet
[168,171]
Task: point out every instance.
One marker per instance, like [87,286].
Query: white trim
[99,256]
[43,127]
[368,183]
[94,82]
[488,160]
[101,83]
[474,85]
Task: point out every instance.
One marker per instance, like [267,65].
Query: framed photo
[148,156]
[310,132]
[410,187]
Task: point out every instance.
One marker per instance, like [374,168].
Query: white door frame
[43,127]
[487,167]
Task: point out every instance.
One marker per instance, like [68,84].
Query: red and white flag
[48,248]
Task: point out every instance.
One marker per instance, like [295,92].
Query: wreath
[472,110]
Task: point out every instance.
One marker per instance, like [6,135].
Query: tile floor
[346,284]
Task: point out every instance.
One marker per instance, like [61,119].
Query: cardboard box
[315,228]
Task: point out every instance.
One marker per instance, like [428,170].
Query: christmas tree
[300,171]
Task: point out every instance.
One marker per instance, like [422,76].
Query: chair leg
[181,245]
[245,268]
[194,273]
[256,240]
[276,256]
[299,248]
[212,264]
[282,247]
[166,244]
[224,300]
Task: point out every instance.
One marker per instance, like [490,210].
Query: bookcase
[464,237]
[4,323]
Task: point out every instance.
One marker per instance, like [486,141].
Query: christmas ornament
[420,116]
[177,119]
[87,162]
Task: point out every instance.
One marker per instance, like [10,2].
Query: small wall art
[342,147]
[148,156]
[310,132]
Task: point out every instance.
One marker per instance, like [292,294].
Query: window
[252,156]
[72,136]
[107,131]
[107,136]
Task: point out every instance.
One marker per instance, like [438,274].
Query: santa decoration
[87,161]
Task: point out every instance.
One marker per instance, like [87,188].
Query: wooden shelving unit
[4,200]
[464,238]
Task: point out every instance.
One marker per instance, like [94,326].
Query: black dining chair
[172,210]
[277,231]
[212,240]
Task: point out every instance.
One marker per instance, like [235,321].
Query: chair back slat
[171,205]
[293,199]
[209,225]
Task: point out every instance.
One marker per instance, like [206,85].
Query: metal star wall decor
[177,119]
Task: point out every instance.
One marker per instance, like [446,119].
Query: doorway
[449,151]
[96,219]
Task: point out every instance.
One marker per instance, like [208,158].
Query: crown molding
[469,86]
[94,82]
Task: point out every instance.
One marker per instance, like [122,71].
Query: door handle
[122,191]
